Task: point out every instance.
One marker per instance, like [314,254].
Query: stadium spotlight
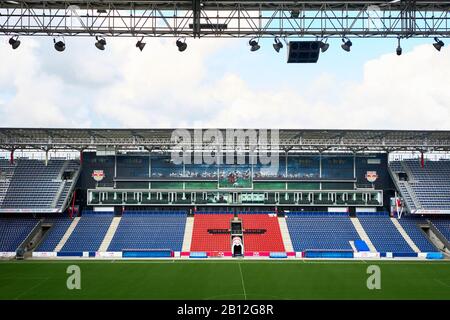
[254,45]
[60,46]
[277,45]
[14,42]
[399,48]
[324,45]
[140,44]
[101,43]
[438,44]
[347,44]
[182,45]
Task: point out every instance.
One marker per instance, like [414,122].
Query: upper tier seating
[410,225]
[433,171]
[406,192]
[89,232]
[6,173]
[324,231]
[427,188]
[150,230]
[55,234]
[64,194]
[70,166]
[13,232]
[30,184]
[396,166]
[383,233]
[271,240]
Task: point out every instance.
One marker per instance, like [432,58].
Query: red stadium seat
[204,241]
[271,240]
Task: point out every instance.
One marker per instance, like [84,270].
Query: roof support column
[81,157]
[46,157]
[11,157]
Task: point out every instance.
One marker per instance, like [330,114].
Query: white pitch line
[441,282]
[30,288]
[242,281]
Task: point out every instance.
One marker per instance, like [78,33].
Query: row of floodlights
[100,44]
[346,45]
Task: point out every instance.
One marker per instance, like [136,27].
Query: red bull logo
[237,241]
[371,176]
[98,175]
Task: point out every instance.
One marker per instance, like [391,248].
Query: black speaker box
[303,51]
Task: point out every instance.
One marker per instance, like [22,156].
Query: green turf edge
[228,279]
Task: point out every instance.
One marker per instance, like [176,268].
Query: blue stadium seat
[443,225]
[410,225]
[427,187]
[13,232]
[55,234]
[383,233]
[321,230]
[30,184]
[150,230]
[89,232]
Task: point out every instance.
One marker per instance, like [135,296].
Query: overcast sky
[220,83]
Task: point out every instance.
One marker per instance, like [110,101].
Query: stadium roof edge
[354,140]
[307,4]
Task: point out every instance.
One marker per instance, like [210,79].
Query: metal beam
[211,18]
[311,140]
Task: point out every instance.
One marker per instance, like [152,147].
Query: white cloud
[407,92]
[161,87]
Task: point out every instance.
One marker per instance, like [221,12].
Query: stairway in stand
[188,234]
[285,234]
[362,233]
[110,234]
[67,235]
[405,235]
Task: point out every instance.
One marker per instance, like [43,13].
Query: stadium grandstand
[223,214]
[118,193]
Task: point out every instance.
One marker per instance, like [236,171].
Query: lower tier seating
[54,234]
[165,230]
[270,240]
[383,233]
[321,231]
[411,226]
[13,232]
[89,232]
[149,230]
[443,225]
[204,241]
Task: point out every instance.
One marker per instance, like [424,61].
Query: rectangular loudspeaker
[303,51]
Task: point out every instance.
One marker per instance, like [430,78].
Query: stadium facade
[223,192]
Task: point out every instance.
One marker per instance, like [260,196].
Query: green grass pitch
[237,279]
